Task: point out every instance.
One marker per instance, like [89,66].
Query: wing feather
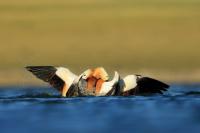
[47,74]
[150,85]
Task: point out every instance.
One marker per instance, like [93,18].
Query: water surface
[40,109]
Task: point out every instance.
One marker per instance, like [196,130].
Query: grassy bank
[154,35]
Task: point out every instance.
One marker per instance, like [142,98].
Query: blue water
[37,109]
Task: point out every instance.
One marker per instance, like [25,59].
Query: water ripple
[43,110]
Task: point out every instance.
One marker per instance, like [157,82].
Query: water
[35,109]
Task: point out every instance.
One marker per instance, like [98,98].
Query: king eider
[69,84]
[96,82]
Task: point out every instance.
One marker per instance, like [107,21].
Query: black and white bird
[139,85]
[62,79]
[95,82]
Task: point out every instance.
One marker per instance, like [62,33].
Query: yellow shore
[160,38]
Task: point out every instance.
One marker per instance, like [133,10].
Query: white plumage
[66,75]
[130,82]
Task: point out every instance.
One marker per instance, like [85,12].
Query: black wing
[146,85]
[47,74]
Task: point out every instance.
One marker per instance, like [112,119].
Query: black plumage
[146,85]
[150,85]
[47,74]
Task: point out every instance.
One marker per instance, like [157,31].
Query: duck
[140,85]
[68,83]
[96,82]
[127,86]
[60,78]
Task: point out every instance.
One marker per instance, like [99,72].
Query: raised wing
[146,85]
[59,77]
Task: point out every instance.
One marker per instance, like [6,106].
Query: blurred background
[160,38]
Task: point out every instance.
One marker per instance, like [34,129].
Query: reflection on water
[34,109]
